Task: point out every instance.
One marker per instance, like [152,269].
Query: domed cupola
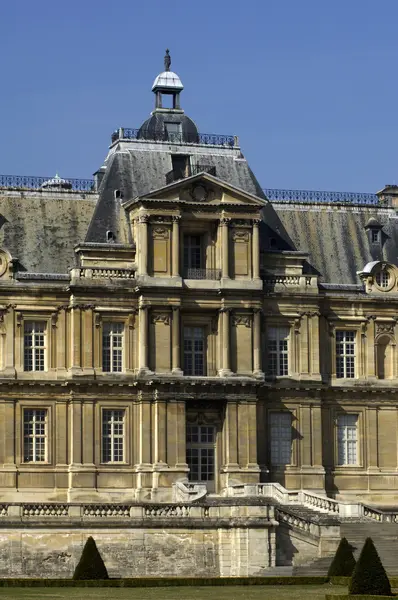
[168,124]
[56,183]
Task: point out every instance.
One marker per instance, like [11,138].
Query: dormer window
[383,279]
[173,131]
[375,236]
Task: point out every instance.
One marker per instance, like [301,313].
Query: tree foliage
[369,576]
[90,565]
[343,562]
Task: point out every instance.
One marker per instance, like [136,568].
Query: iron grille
[213,274]
[275,195]
[27,182]
[210,139]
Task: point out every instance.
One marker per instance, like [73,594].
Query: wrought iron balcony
[213,274]
[27,182]
[177,174]
[207,139]
[275,195]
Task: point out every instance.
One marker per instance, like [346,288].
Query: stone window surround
[361,440]
[359,353]
[21,406]
[127,407]
[293,354]
[28,316]
[113,462]
[210,344]
[129,320]
[294,461]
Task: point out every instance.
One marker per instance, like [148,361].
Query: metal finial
[167,60]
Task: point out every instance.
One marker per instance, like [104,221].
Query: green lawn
[255,592]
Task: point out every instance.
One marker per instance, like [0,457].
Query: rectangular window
[347,442]
[194,351]
[173,131]
[34,346]
[113,435]
[375,236]
[112,347]
[35,435]
[201,452]
[345,354]
[192,255]
[281,437]
[278,351]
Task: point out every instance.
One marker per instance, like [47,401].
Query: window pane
[113,435]
[35,435]
[194,351]
[281,437]
[278,351]
[112,347]
[345,353]
[347,427]
[34,345]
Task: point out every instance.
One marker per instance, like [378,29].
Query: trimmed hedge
[369,576]
[163,582]
[90,565]
[356,597]
[343,562]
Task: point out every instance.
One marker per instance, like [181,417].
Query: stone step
[320,566]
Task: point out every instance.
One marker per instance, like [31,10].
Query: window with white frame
[383,279]
[278,350]
[112,347]
[194,351]
[280,426]
[113,435]
[35,434]
[34,346]
[347,440]
[345,353]
[201,452]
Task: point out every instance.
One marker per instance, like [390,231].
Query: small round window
[383,279]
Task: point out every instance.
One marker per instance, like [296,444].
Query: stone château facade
[169,333]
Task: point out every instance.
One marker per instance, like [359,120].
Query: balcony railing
[208,139]
[177,174]
[27,182]
[275,195]
[213,274]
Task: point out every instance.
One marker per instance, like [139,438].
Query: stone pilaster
[224,224]
[226,343]
[143,340]
[143,244]
[256,249]
[257,370]
[175,271]
[175,341]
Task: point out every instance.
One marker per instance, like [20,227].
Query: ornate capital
[245,320]
[161,318]
[143,218]
[256,222]
[225,221]
[176,218]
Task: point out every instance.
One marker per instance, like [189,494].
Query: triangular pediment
[201,189]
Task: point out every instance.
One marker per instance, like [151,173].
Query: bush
[91,565]
[369,576]
[343,562]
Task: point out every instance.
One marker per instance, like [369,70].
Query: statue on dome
[167,60]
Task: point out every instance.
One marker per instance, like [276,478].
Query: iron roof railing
[276,195]
[208,139]
[27,182]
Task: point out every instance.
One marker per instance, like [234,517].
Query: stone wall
[162,541]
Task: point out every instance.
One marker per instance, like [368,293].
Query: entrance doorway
[201,442]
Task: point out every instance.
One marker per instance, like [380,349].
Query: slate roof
[136,172]
[42,229]
[336,237]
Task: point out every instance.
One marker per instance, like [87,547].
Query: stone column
[175,340]
[143,246]
[75,336]
[143,340]
[159,432]
[75,457]
[225,353]
[224,223]
[257,343]
[256,249]
[60,342]
[175,267]
[176,444]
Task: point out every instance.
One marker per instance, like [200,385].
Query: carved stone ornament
[160,232]
[199,193]
[4,260]
[225,220]
[245,320]
[161,318]
[143,219]
[385,328]
[240,235]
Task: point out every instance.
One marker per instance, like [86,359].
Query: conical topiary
[90,565]
[343,562]
[369,576]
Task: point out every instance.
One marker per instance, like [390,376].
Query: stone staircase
[384,536]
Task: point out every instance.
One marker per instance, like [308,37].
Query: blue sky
[310,86]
